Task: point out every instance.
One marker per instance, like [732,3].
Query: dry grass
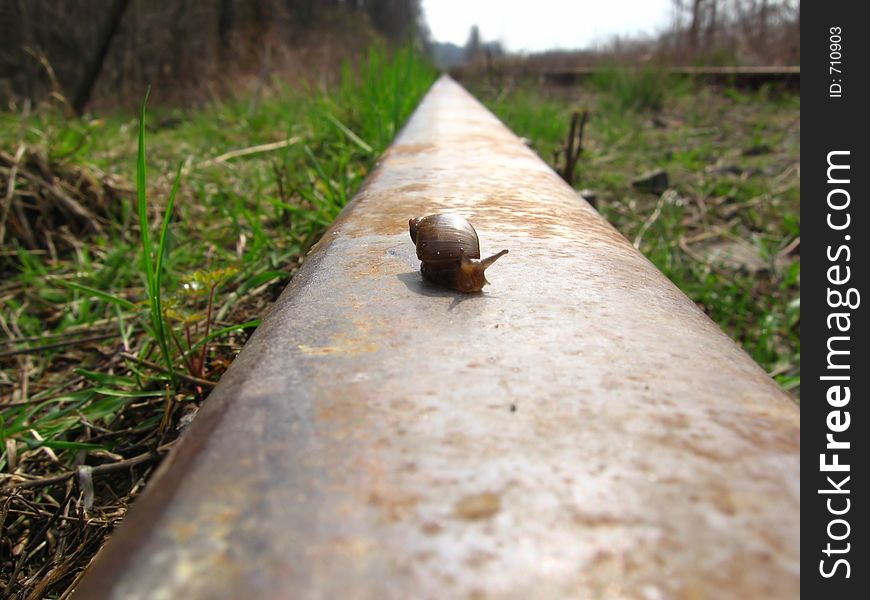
[88,403]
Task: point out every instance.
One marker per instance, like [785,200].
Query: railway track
[580,429]
[788,77]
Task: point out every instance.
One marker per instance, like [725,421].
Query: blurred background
[678,120]
[103,53]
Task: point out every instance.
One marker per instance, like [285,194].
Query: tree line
[106,51]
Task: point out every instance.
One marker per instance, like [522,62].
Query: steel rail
[742,77]
[578,430]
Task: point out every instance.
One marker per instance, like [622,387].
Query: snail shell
[449,251]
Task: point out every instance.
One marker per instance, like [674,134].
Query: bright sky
[535,25]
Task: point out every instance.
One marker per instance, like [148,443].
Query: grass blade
[225,330]
[110,298]
[335,195]
[157,311]
[153,265]
[350,134]
[141,196]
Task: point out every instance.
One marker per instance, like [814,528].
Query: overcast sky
[535,25]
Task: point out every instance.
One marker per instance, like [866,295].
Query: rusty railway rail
[581,429]
[743,77]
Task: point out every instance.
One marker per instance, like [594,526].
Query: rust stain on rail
[578,430]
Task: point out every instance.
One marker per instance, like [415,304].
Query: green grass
[732,159]
[110,337]
[152,258]
[233,237]
[623,90]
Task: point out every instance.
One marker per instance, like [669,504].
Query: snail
[449,251]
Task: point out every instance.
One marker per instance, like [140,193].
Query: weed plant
[629,90]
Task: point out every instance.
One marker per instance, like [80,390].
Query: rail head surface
[580,429]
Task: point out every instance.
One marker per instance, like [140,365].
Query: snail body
[449,252]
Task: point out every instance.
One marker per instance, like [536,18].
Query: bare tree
[710,35]
[105,52]
[473,45]
[95,65]
[694,27]
[762,25]
[226,22]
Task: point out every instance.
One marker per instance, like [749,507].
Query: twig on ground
[181,376]
[227,156]
[683,243]
[793,246]
[13,578]
[54,336]
[95,471]
[55,345]
[648,223]
[66,201]
[572,150]
[10,191]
